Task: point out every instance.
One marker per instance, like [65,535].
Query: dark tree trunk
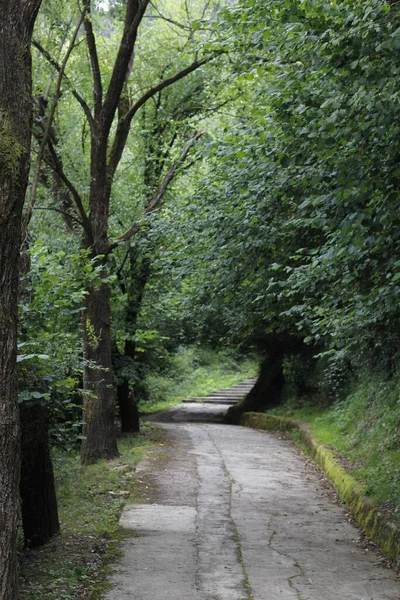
[99,430]
[267,392]
[268,389]
[128,408]
[139,272]
[99,433]
[38,495]
[16,21]
[9,426]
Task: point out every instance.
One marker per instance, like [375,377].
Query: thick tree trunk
[16,22]
[9,425]
[99,429]
[267,392]
[268,389]
[100,440]
[38,495]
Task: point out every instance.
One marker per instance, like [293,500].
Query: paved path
[228,513]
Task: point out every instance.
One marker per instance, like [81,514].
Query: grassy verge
[196,372]
[364,430]
[90,501]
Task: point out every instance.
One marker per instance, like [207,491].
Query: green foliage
[364,428]
[295,223]
[49,359]
[195,371]
[90,501]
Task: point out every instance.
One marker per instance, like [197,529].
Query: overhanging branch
[57,67]
[49,123]
[155,203]
[123,127]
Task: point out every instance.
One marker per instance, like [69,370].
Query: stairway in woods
[227,395]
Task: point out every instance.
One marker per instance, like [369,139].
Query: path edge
[382,530]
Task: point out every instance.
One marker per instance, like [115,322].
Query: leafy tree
[299,234]
[108,118]
[50,368]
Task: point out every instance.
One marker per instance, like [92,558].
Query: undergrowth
[90,501]
[195,372]
[364,428]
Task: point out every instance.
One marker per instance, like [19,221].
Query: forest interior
[193,194]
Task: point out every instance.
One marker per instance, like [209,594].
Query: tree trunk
[9,425]
[38,494]
[267,392]
[128,408]
[99,429]
[16,21]
[139,274]
[268,389]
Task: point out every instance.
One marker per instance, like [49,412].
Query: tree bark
[38,495]
[100,440]
[16,21]
[99,429]
[268,389]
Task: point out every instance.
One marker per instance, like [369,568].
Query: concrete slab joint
[231,513]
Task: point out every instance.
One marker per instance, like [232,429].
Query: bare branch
[134,14]
[165,83]
[57,167]
[57,67]
[155,203]
[29,211]
[123,127]
[159,15]
[94,60]
[62,212]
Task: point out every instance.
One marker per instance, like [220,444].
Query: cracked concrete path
[229,513]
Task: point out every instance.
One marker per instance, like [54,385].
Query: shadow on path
[191,413]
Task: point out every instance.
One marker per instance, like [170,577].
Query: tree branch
[62,212]
[57,67]
[121,135]
[80,209]
[157,198]
[94,60]
[134,14]
[35,182]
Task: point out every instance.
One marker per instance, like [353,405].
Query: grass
[196,372]
[73,565]
[90,501]
[364,429]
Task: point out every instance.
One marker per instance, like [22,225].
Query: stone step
[226,395]
[234,390]
[208,400]
[232,393]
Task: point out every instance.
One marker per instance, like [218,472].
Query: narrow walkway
[228,513]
